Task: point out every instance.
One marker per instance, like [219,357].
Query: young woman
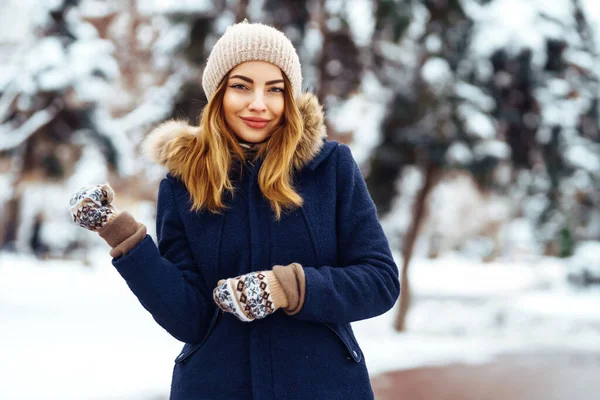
[268,241]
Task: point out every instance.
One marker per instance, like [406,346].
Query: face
[253,101]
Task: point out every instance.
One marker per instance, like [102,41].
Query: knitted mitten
[258,294]
[90,206]
[250,296]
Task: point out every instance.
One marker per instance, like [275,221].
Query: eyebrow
[244,78]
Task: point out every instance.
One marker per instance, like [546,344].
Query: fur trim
[314,129]
[165,142]
[157,145]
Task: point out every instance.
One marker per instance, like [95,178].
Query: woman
[268,242]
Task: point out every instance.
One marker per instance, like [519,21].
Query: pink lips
[256,123]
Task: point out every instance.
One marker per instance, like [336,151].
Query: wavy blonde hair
[206,159]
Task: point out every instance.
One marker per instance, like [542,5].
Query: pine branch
[11,138]
[6,101]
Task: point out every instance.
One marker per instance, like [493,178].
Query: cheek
[227,103]
[230,106]
[278,108]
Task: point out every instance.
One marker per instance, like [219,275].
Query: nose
[257,104]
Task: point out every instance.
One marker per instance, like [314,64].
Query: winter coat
[336,237]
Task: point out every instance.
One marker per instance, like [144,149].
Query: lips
[254,122]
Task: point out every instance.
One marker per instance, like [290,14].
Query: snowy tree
[420,49]
[511,104]
[62,126]
[436,98]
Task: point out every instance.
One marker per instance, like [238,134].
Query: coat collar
[165,143]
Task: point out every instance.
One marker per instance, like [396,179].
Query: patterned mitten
[251,296]
[91,206]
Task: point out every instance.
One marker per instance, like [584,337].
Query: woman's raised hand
[91,206]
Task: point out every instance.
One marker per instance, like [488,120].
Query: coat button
[355,354]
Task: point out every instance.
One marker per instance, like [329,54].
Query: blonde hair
[206,159]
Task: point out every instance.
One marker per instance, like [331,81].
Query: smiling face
[253,102]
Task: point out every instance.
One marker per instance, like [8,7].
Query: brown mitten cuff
[278,296]
[293,283]
[122,233]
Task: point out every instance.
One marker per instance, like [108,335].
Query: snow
[123,145]
[15,20]
[495,148]
[87,56]
[418,21]
[467,312]
[560,112]
[520,237]
[478,124]
[437,73]
[459,153]
[54,80]
[11,137]
[48,53]
[562,305]
[80,28]
[475,95]
[8,96]
[361,16]
[492,279]
[584,157]
[173,39]
[34,206]
[79,333]
[149,7]
[580,58]
[75,328]
[313,42]
[97,9]
[586,259]
[361,115]
[433,43]
[50,66]
[558,87]
[90,169]
[525,28]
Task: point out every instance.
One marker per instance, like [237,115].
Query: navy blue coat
[335,236]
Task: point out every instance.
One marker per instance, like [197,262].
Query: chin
[252,137]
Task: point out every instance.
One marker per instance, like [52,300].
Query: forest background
[475,123]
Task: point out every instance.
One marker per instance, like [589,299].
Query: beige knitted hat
[251,42]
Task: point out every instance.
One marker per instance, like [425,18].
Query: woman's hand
[91,206]
[91,209]
[250,296]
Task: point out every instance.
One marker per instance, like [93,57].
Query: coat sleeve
[165,278]
[365,282]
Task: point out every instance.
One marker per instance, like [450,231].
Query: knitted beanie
[251,42]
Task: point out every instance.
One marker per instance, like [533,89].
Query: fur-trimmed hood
[168,137]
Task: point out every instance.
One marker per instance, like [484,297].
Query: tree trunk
[242,11]
[432,173]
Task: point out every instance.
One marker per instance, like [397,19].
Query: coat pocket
[344,333]
[189,348]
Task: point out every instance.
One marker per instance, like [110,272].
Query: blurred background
[476,126]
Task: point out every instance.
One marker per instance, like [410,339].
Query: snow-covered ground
[464,311]
[74,332]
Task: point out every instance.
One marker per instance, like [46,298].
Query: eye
[238,86]
[277,89]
